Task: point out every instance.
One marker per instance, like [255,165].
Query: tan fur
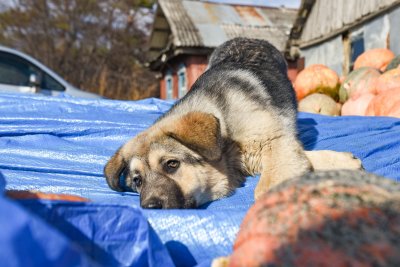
[199,131]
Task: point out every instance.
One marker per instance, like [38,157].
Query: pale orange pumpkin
[317,78]
[377,58]
[388,80]
[359,82]
[386,103]
[319,104]
[357,106]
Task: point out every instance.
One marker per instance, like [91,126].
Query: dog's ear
[200,132]
[113,170]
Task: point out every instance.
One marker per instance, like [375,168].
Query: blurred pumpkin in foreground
[331,218]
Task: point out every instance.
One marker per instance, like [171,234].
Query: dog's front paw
[220,262]
[259,192]
[261,188]
[333,160]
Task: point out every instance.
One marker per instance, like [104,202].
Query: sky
[273,3]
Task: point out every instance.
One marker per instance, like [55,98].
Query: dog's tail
[249,53]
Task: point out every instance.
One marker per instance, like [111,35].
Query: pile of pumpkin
[371,89]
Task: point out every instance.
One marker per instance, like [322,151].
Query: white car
[20,73]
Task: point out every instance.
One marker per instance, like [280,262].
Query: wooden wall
[328,17]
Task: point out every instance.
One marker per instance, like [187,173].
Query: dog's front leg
[333,160]
[282,159]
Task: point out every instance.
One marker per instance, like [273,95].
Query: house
[335,33]
[185,32]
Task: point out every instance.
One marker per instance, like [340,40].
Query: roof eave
[166,56]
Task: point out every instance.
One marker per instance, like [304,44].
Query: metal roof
[198,24]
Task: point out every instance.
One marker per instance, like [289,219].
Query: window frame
[169,85]
[182,80]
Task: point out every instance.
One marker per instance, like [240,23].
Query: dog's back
[244,75]
[249,53]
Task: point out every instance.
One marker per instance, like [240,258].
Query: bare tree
[97,45]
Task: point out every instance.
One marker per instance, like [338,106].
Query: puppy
[238,119]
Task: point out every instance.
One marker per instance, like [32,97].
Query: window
[17,71]
[182,87]
[169,85]
[14,70]
[357,48]
[49,83]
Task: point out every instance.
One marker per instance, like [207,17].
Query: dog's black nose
[153,203]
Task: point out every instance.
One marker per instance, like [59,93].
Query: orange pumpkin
[359,82]
[332,219]
[319,104]
[386,103]
[317,79]
[377,58]
[357,106]
[388,80]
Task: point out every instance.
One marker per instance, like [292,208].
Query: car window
[13,70]
[50,83]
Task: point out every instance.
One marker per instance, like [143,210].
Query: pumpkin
[316,78]
[386,103]
[388,80]
[358,82]
[395,63]
[358,106]
[330,218]
[377,58]
[27,194]
[319,104]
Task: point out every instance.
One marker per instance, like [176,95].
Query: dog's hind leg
[281,159]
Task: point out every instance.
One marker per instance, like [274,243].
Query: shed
[185,32]
[335,33]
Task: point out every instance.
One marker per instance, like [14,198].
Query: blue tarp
[60,145]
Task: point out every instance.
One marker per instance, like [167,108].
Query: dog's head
[176,163]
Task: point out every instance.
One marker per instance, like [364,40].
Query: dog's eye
[172,164]
[137,180]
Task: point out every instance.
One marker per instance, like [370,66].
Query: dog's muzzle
[164,193]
